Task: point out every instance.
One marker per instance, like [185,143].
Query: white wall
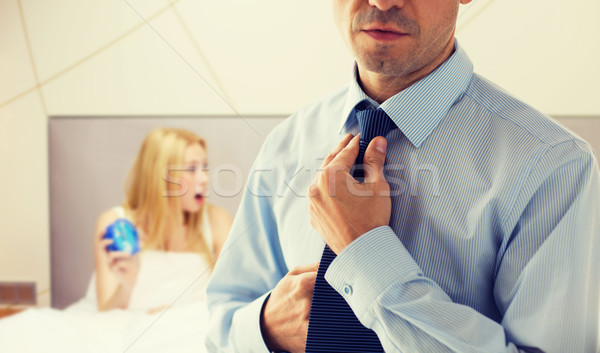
[545,52]
[228,57]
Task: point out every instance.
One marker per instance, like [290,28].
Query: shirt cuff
[245,329]
[363,271]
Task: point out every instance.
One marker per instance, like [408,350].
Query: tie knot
[373,123]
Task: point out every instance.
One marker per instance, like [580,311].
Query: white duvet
[177,280]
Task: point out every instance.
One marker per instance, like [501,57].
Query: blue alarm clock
[124,236]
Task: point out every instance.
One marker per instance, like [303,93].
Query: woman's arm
[220,224]
[116,272]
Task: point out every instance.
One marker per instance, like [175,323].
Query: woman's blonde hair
[151,185]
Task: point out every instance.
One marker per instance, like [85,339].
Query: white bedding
[177,279]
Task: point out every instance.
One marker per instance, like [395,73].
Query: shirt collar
[418,109]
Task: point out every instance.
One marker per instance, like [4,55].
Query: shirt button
[348,289]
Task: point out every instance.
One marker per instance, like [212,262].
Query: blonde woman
[180,233]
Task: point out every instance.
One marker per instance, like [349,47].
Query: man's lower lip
[384,35]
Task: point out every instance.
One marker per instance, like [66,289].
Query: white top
[169,278]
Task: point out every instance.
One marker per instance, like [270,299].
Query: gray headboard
[90,158]
[89,161]
[588,127]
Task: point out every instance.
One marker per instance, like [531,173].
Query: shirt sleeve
[546,280]
[249,266]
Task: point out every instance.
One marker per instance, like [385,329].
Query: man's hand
[341,208]
[284,319]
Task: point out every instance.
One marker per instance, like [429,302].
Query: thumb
[374,159]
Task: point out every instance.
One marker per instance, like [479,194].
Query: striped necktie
[332,325]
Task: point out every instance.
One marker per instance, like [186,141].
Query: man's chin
[383,65]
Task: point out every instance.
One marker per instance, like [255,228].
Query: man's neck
[380,87]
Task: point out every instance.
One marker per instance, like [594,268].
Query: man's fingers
[374,159]
[343,143]
[308,280]
[304,268]
[347,156]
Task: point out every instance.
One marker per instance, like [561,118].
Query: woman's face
[194,178]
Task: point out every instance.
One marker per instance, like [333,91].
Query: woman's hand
[116,272]
[123,266]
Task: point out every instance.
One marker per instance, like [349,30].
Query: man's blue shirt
[494,238]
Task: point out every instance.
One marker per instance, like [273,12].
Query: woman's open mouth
[199,197]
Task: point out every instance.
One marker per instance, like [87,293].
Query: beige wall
[223,57]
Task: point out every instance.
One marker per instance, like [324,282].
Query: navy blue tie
[332,325]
